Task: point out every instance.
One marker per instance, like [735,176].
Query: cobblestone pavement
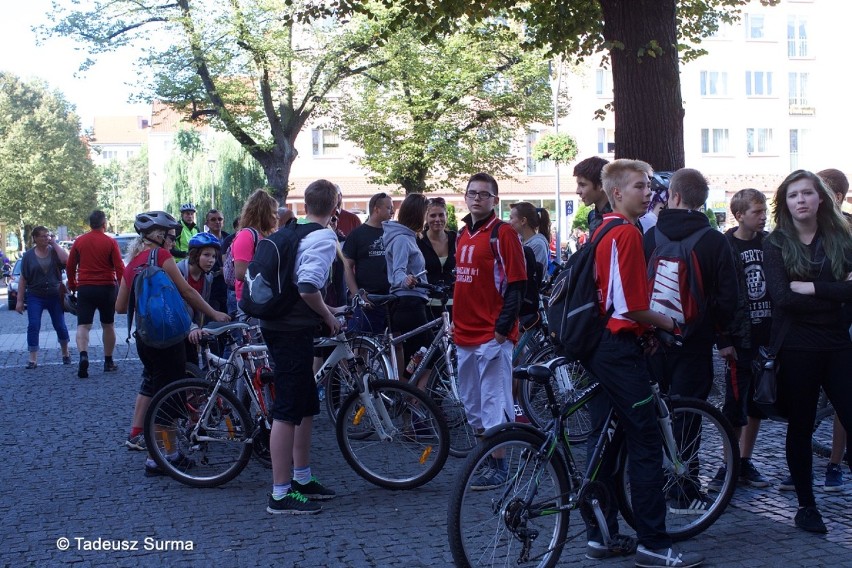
[66,474]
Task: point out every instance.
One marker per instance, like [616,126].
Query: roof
[120,130]
[165,119]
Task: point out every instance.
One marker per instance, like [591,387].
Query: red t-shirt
[140,261]
[94,260]
[621,275]
[481,281]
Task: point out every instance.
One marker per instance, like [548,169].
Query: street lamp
[555,84]
[210,163]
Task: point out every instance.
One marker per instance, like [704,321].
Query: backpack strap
[593,245]
[131,301]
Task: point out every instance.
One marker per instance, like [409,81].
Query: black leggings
[802,373]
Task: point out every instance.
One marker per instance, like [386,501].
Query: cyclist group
[800,273]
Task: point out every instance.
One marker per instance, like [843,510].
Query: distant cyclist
[187,228]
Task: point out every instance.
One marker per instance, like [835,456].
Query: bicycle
[525,521]
[440,357]
[197,430]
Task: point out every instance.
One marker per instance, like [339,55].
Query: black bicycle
[524,521]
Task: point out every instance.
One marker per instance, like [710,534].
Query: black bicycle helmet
[155,220]
[201,240]
[187,207]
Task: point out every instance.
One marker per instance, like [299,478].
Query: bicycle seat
[382,299]
[539,372]
[218,328]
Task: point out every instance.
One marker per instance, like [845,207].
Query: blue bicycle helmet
[202,240]
[149,220]
[187,207]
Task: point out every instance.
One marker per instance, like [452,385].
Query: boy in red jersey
[619,365]
[487,298]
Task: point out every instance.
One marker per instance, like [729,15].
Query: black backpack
[535,275]
[269,290]
[573,314]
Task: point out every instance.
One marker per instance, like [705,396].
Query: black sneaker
[313,490]
[750,476]
[718,480]
[809,519]
[619,545]
[110,366]
[83,368]
[647,558]
[293,503]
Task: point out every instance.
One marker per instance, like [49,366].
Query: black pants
[410,313]
[802,373]
[619,365]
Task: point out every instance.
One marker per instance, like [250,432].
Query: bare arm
[349,276]
[123,298]
[240,267]
[650,317]
[22,289]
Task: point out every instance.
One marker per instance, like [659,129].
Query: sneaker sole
[832,488]
[291,511]
[676,511]
[134,447]
[319,497]
[756,484]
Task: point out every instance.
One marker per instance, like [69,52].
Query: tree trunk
[647,99]
[276,164]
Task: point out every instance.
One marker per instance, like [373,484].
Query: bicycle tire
[193,371]
[533,398]
[439,389]
[716,446]
[419,441]
[483,527]
[340,383]
[195,463]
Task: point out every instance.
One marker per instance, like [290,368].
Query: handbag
[765,367]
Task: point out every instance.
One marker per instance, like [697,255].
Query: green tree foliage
[434,113]
[452,219]
[247,65]
[559,148]
[581,217]
[642,39]
[224,172]
[124,191]
[46,176]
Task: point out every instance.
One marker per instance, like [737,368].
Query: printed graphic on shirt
[759,305]
[376,248]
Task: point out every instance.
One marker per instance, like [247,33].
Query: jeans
[35,306]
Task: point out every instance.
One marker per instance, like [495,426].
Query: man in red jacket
[94,267]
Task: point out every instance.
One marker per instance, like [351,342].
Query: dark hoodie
[716,260]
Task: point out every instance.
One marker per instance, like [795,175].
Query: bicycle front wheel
[700,477]
[198,439]
[398,440]
[520,522]
[341,381]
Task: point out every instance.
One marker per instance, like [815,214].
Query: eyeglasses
[171,237]
[480,194]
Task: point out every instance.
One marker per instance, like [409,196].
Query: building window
[724,31]
[797,37]
[799,90]
[325,142]
[110,155]
[714,84]
[603,83]
[759,83]
[759,141]
[534,166]
[754,26]
[714,141]
[799,145]
[606,141]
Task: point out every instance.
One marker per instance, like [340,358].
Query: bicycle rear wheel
[565,381]
[706,443]
[417,442]
[439,388]
[490,527]
[214,453]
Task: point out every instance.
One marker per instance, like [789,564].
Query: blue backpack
[162,319]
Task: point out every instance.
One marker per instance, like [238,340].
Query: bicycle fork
[664,418]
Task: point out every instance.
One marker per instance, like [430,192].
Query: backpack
[531,300]
[229,273]
[269,290]
[574,319]
[162,319]
[675,281]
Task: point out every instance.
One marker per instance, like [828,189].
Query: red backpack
[675,280]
